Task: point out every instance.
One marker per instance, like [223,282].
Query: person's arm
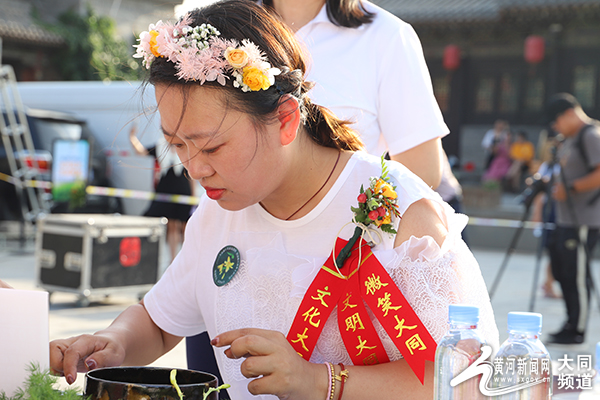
[132,339]
[586,183]
[135,142]
[409,117]
[4,285]
[424,160]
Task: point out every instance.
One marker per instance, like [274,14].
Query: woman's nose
[197,167]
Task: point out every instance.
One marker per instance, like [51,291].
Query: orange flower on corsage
[378,205]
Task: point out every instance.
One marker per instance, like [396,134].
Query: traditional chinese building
[482,69]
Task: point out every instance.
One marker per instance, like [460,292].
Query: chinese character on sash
[415,343]
[400,327]
[354,322]
[321,296]
[373,283]
[309,316]
[386,304]
[301,337]
[362,344]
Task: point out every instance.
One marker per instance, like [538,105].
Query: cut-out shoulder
[422,218]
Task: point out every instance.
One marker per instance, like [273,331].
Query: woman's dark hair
[244,19]
[346,13]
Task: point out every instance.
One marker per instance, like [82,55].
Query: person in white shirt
[368,67]
[281,175]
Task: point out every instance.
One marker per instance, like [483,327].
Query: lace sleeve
[432,277]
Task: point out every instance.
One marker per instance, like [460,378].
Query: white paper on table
[23,335]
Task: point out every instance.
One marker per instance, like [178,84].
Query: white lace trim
[268,289]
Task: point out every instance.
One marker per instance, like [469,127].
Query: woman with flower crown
[299,231]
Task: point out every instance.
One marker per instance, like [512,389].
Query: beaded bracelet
[331,380]
[342,377]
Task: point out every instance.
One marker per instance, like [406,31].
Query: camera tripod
[538,186]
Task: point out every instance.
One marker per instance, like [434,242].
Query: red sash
[357,285]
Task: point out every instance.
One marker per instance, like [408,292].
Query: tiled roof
[545,3]
[436,10]
[468,10]
[16,24]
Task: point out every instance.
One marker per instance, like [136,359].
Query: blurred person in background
[576,192]
[501,160]
[522,152]
[170,178]
[495,135]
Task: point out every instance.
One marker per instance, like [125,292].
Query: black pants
[571,268]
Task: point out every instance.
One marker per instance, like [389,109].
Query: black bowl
[145,383]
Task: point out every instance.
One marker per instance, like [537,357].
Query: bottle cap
[525,322]
[463,314]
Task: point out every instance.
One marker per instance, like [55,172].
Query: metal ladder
[19,148]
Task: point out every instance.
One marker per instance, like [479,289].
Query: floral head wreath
[201,55]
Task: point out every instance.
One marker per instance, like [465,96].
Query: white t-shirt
[376,76]
[281,258]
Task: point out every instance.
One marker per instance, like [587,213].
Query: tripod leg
[588,253]
[536,271]
[509,251]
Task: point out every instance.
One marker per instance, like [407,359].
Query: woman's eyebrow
[196,135]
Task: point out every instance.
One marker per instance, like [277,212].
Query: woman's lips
[214,194]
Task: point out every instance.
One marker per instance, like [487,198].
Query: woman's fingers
[226,338]
[4,285]
[251,345]
[82,353]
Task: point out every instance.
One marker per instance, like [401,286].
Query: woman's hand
[278,369]
[4,285]
[84,353]
[559,193]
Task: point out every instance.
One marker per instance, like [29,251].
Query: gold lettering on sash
[354,322]
[415,343]
[310,314]
[401,326]
[301,337]
[371,359]
[362,344]
[386,304]
[373,283]
[321,295]
[347,302]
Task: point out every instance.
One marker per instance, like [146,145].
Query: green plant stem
[345,252]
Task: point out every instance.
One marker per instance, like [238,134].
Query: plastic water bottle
[459,348]
[523,358]
[594,393]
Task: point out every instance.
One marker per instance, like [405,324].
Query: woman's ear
[288,114]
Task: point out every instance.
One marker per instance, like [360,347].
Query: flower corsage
[377,205]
